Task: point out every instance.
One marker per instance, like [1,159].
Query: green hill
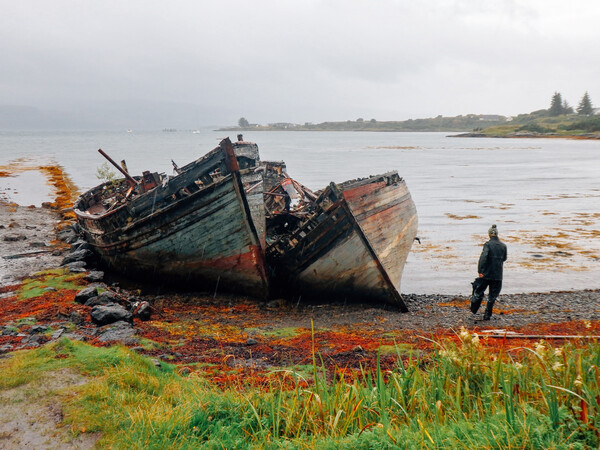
[541,124]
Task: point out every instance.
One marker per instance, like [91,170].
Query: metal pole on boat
[119,168]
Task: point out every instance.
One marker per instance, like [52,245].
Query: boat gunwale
[85,214]
[395,295]
[335,193]
[140,223]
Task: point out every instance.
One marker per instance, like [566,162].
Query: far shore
[470,134]
[588,136]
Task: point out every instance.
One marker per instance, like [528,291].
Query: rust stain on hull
[197,226]
[354,245]
[230,220]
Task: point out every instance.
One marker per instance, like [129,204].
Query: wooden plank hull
[388,218]
[354,246]
[206,238]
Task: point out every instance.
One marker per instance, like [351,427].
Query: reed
[462,395]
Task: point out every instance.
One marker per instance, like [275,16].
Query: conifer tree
[585,106]
[556,105]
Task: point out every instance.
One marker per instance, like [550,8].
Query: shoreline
[29,243]
[527,135]
[519,135]
[30,234]
[45,221]
[234,322]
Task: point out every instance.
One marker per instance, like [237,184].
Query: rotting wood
[537,336]
[119,168]
[26,254]
[194,227]
[351,242]
[229,218]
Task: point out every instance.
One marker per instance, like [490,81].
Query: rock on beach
[107,314]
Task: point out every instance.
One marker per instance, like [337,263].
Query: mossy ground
[462,394]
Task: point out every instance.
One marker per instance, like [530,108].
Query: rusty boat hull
[198,227]
[353,246]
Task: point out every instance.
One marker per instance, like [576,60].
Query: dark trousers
[479,290]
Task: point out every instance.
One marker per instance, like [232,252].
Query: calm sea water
[543,194]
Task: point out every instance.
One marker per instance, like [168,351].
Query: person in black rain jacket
[490,268]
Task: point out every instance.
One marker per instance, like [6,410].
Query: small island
[558,121]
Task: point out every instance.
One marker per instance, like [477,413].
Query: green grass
[278,333]
[459,396]
[149,344]
[565,125]
[57,279]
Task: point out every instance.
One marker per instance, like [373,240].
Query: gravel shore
[31,232]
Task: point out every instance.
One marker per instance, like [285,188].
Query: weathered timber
[26,254]
[353,244]
[198,226]
[210,225]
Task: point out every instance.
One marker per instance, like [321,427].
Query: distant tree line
[558,106]
[541,121]
[439,123]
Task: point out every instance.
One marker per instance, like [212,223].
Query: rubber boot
[488,309]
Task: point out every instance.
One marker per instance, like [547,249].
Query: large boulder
[85,294]
[94,276]
[106,298]
[80,244]
[120,331]
[106,314]
[77,255]
[142,310]
[76,267]
[68,235]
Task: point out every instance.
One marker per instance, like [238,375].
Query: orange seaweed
[64,189]
[226,359]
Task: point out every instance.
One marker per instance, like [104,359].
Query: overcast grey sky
[302,60]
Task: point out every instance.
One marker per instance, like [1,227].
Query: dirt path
[31,415]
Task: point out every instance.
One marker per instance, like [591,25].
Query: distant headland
[439,123]
[537,124]
[558,121]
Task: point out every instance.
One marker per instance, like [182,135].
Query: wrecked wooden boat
[199,226]
[230,221]
[350,243]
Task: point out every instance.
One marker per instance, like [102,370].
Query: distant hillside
[439,123]
[542,124]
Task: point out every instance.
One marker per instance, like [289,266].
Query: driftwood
[538,336]
[26,255]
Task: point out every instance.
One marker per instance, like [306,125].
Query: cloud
[304,60]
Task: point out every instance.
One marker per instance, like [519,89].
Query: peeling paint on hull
[206,238]
[204,245]
[355,245]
